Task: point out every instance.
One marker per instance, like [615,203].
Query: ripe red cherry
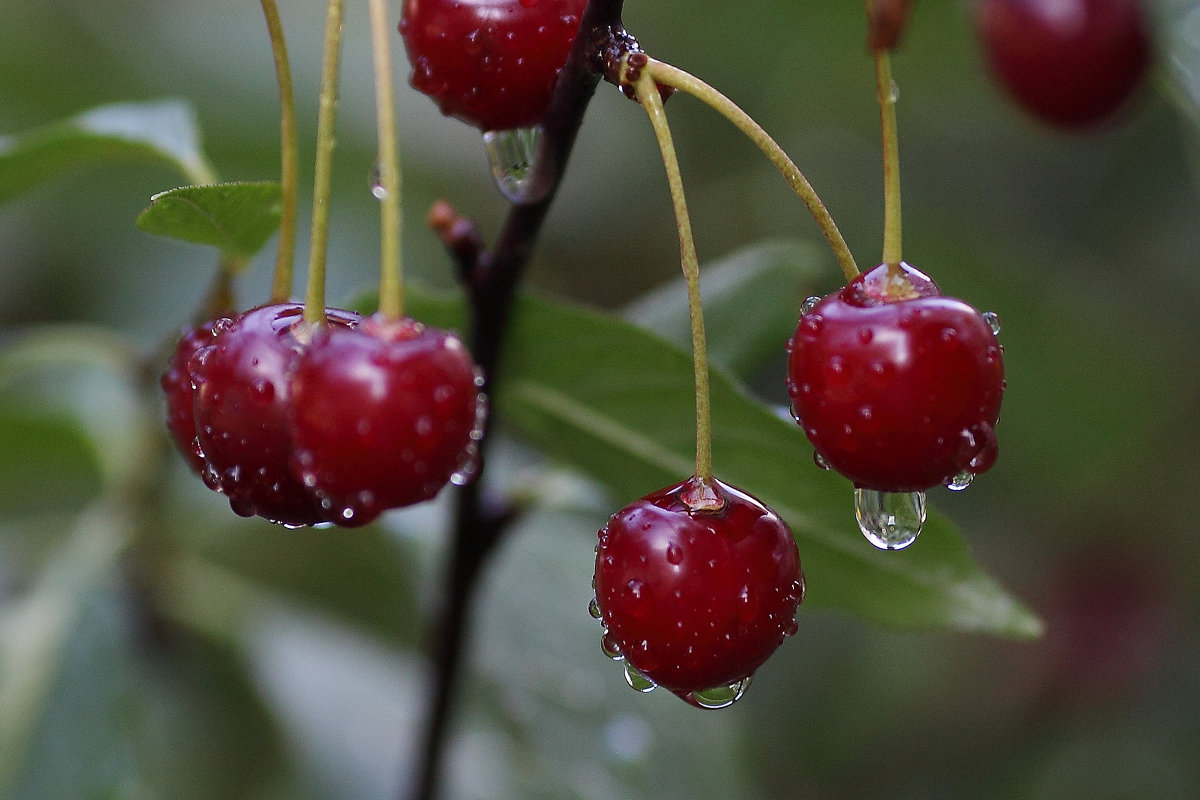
[491,63]
[1070,62]
[382,416]
[177,387]
[242,396]
[696,601]
[897,387]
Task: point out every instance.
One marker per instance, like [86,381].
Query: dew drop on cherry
[511,154]
[993,321]
[637,681]
[809,304]
[889,520]
[960,481]
[718,696]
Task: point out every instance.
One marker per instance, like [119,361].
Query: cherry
[242,397]
[383,415]
[696,600]
[1069,62]
[491,63]
[897,387]
[177,387]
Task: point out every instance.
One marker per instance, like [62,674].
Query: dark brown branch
[491,283]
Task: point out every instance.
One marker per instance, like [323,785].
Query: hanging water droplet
[960,481]
[809,304]
[511,154]
[637,681]
[719,696]
[889,520]
[993,321]
[375,181]
[820,460]
[594,608]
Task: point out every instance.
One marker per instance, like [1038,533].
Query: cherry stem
[885,89]
[676,78]
[648,97]
[387,190]
[281,282]
[314,298]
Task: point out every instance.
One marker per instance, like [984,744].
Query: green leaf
[772,278]
[618,403]
[165,131]
[46,462]
[236,218]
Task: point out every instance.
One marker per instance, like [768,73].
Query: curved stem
[885,89]
[391,282]
[314,297]
[281,282]
[676,78]
[648,97]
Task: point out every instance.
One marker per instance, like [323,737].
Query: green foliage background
[218,657]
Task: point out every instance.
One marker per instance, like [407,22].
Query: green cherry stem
[676,78]
[648,97]
[387,190]
[281,281]
[885,89]
[314,298]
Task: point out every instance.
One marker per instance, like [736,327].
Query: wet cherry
[696,600]
[177,387]
[491,63]
[1070,62]
[383,416]
[242,396]
[897,387]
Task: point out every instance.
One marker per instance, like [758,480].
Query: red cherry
[177,387]
[1070,62]
[693,600]
[491,63]
[383,415]
[897,387]
[242,395]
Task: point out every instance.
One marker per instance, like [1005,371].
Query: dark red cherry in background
[897,387]
[697,600]
[242,388]
[177,387]
[1072,63]
[383,416]
[491,63]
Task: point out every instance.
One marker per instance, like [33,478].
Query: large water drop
[993,321]
[889,520]
[637,681]
[511,154]
[718,696]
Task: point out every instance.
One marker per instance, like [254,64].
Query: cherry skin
[177,387]
[1072,63]
[383,416]
[696,599]
[242,396]
[490,63]
[897,387]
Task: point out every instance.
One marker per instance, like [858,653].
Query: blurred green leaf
[45,462]
[236,218]
[618,403]
[751,301]
[165,131]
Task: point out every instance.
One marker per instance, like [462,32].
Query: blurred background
[1084,244]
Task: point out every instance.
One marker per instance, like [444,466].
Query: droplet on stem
[511,154]
[889,520]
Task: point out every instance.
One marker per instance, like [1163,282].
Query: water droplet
[993,321]
[820,460]
[637,681]
[894,92]
[610,647]
[511,154]
[376,183]
[719,696]
[809,304]
[594,608]
[960,481]
[889,520]
[468,467]
[674,554]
